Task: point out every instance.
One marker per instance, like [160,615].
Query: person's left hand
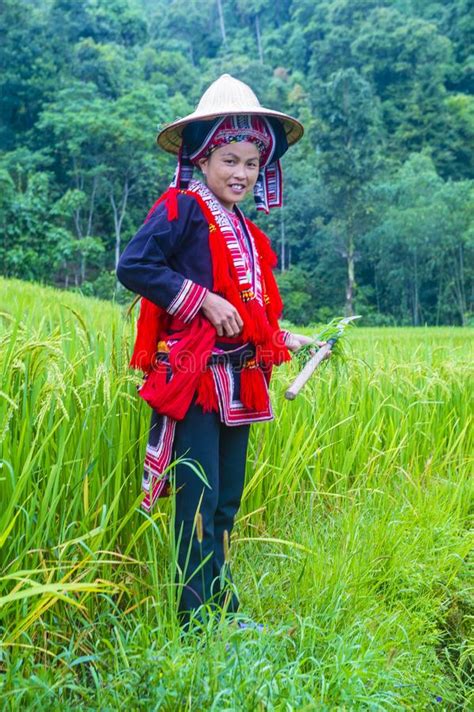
[295,341]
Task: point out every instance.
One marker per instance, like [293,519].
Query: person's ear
[202,163]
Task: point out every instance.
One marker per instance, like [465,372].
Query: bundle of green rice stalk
[332,333]
[309,358]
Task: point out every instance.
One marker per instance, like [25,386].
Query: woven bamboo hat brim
[225,96]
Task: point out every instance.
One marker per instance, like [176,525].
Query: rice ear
[225,541]
[199,528]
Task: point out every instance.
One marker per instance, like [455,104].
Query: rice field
[352,545]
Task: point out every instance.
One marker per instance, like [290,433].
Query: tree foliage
[378,194]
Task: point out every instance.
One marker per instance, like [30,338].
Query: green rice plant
[352,544]
[333,333]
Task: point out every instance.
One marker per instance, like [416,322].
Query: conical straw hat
[226,95]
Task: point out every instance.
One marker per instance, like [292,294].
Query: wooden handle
[307,372]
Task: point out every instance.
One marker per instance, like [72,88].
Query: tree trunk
[88,227]
[119,212]
[83,230]
[415,291]
[259,38]
[377,290]
[221,21]
[439,298]
[91,206]
[350,285]
[79,181]
[459,286]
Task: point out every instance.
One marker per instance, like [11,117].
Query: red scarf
[261,328]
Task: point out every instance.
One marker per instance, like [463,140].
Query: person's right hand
[222,315]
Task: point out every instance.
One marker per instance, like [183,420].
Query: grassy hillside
[352,542]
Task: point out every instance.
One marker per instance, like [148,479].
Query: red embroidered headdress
[200,138]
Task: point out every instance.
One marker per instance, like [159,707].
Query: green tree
[295,291]
[29,70]
[34,244]
[105,149]
[73,124]
[423,247]
[192,23]
[84,85]
[456,141]
[347,136]
[131,169]
[406,64]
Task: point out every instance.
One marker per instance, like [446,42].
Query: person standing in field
[208,333]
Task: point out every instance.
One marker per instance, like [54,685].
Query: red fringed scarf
[261,327]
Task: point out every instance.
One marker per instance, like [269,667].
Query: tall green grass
[352,543]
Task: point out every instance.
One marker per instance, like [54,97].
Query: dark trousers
[221,451]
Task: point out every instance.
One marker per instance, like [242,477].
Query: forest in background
[378,214]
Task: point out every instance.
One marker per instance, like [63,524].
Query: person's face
[231,171]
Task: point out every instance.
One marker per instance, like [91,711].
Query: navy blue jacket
[163,254]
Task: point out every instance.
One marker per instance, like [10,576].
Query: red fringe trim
[253,392]
[206,392]
[275,305]
[150,323]
[172,203]
[268,260]
[155,205]
[223,270]
[170,196]
[263,244]
[257,321]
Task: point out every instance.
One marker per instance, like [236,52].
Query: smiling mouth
[237,187]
